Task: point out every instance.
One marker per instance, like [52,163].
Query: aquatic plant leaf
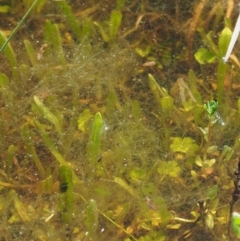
[205,164]
[4,8]
[114,24]
[236,224]
[209,220]
[199,161]
[136,110]
[137,174]
[47,34]
[31,52]
[4,81]
[224,40]
[48,114]
[57,42]
[53,38]
[188,105]
[65,175]
[66,198]
[192,81]
[212,149]
[211,44]
[40,5]
[227,153]
[20,207]
[167,103]
[157,91]
[9,199]
[120,4]
[124,185]
[71,19]
[163,210]
[8,50]
[170,168]
[87,28]
[105,36]
[209,163]
[92,217]
[211,107]
[94,144]
[143,52]
[233,40]
[211,192]
[174,226]
[204,56]
[83,118]
[185,145]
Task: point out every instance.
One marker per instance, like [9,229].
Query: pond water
[119,121]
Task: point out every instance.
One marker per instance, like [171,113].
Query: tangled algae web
[158,162]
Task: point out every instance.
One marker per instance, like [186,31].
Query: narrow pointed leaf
[92,217]
[94,144]
[47,114]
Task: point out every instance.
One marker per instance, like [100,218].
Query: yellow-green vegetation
[119,120]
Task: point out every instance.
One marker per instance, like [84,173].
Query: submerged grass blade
[31,53]
[66,197]
[115,22]
[53,39]
[71,19]
[48,114]
[156,89]
[110,220]
[4,81]
[105,37]
[21,209]
[222,67]
[94,144]
[92,218]
[8,50]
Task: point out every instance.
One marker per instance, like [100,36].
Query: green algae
[104,147]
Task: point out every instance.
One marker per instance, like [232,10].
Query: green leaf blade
[48,114]
[115,22]
[94,144]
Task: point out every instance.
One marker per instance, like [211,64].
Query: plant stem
[19,25]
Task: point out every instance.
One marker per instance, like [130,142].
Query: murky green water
[104,134]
